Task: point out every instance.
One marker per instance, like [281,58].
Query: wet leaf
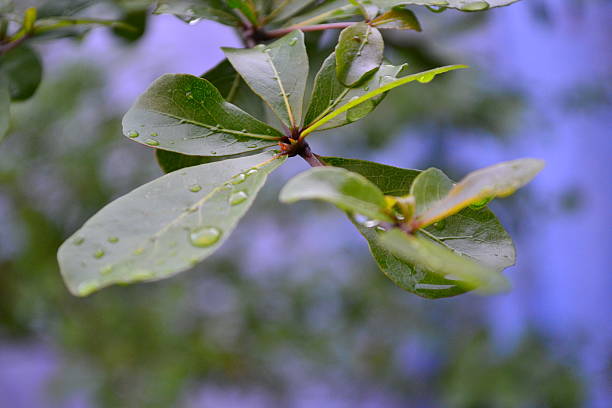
[277,73]
[347,190]
[359,53]
[187,114]
[192,11]
[421,252]
[397,19]
[499,180]
[164,227]
[328,93]
[423,77]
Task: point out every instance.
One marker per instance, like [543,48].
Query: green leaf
[422,77]
[284,9]
[476,233]
[424,253]
[187,114]
[499,180]
[366,8]
[164,227]
[328,93]
[172,161]
[359,53]
[463,5]
[23,69]
[398,19]
[341,9]
[192,11]
[5,107]
[233,88]
[430,186]
[277,73]
[347,190]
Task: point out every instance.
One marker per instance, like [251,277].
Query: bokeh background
[292,311]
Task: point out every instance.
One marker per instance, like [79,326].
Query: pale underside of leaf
[347,190]
[148,234]
[425,76]
[187,114]
[277,73]
[499,180]
[193,10]
[424,253]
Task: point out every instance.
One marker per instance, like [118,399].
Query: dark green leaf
[246,7]
[164,227]
[367,9]
[328,93]
[187,114]
[422,77]
[499,180]
[23,69]
[193,10]
[172,161]
[326,11]
[359,53]
[398,19]
[347,190]
[463,5]
[277,73]
[425,254]
[284,9]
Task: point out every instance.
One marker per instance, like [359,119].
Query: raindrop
[133,134]
[475,6]
[194,21]
[152,142]
[238,198]
[205,236]
[293,41]
[426,78]
[440,225]
[251,172]
[367,88]
[386,79]
[195,188]
[356,38]
[213,153]
[105,270]
[87,288]
[154,134]
[113,240]
[78,241]
[239,178]
[189,95]
[98,254]
[478,205]
[252,146]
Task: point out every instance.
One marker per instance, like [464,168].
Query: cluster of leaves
[25,21]
[428,235]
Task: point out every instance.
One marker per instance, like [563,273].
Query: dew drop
[293,41]
[367,88]
[238,198]
[239,178]
[251,172]
[356,38]
[106,270]
[113,240]
[475,6]
[98,254]
[440,225]
[195,188]
[478,205]
[152,142]
[194,21]
[252,146]
[426,78]
[205,236]
[189,95]
[154,134]
[213,153]
[133,134]
[86,288]
[78,241]
[138,251]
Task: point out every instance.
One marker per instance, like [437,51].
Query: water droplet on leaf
[239,178]
[475,6]
[152,142]
[293,41]
[113,240]
[195,188]
[480,204]
[426,78]
[78,241]
[133,134]
[98,254]
[205,236]
[440,225]
[238,198]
